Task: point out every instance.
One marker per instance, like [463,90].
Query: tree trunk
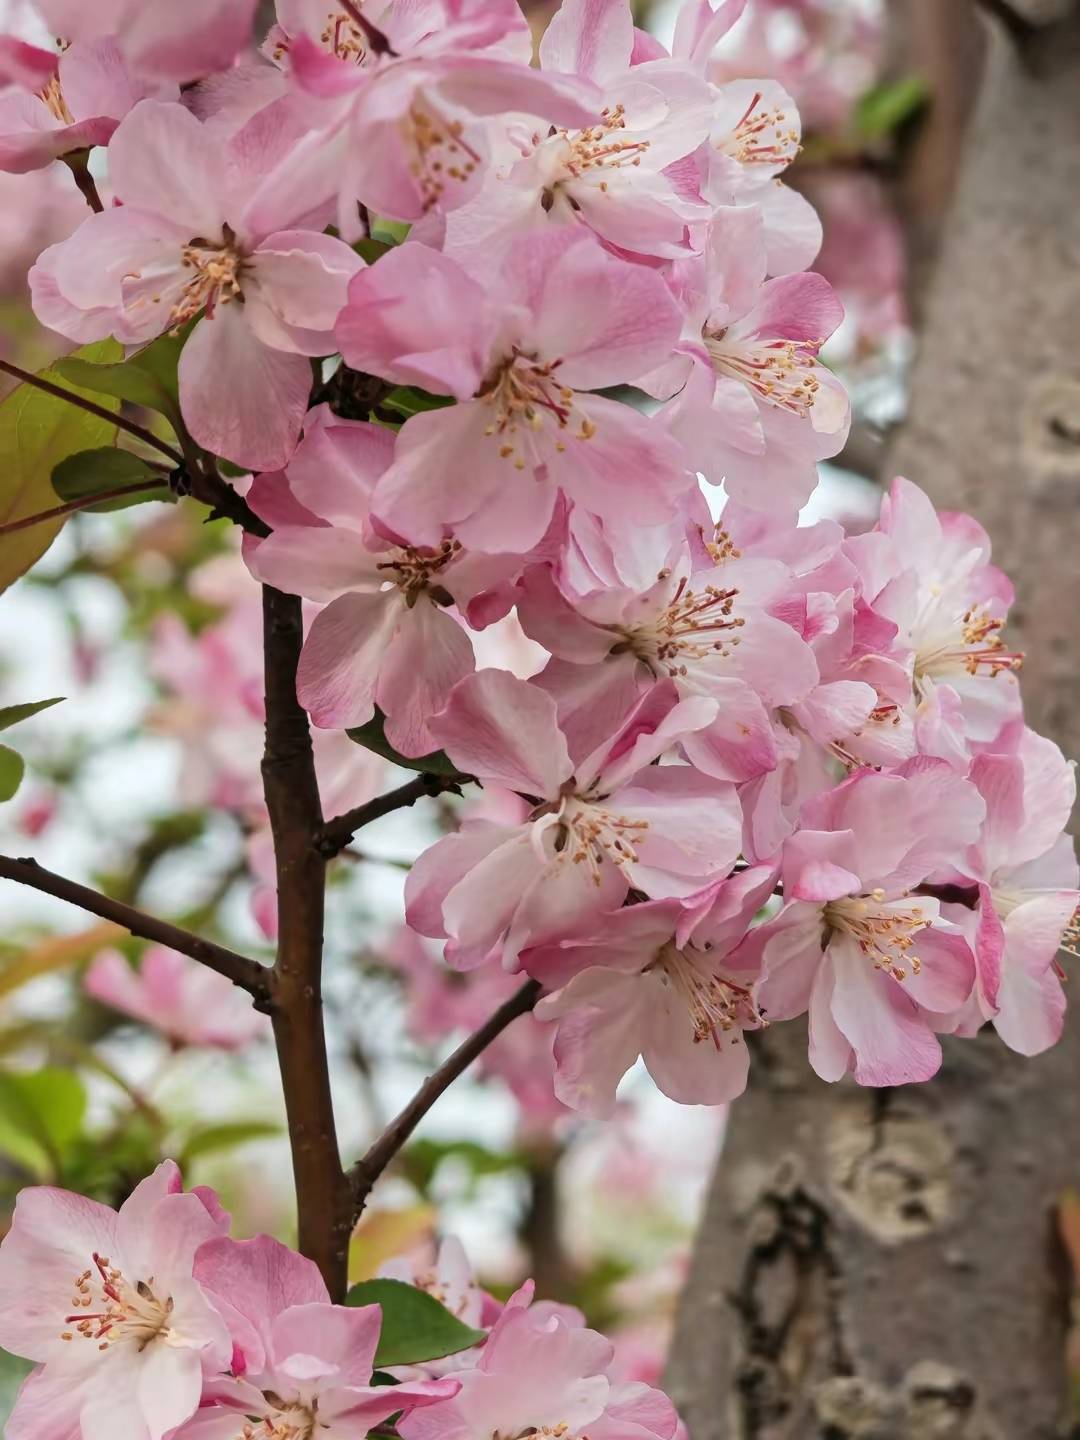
[884,1265]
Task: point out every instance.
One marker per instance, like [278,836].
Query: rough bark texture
[883,1265]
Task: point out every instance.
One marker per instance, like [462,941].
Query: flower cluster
[151,1321]
[731,709]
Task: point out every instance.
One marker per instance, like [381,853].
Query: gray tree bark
[885,1265]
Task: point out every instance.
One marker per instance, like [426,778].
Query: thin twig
[248,974]
[78,162]
[147,436]
[333,837]
[323,1199]
[366,1171]
[72,506]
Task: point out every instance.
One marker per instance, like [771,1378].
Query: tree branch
[73,506]
[1018,28]
[332,838]
[248,974]
[365,1172]
[323,1197]
[78,162]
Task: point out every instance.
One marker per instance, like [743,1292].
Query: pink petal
[504,731]
[593,38]
[342,655]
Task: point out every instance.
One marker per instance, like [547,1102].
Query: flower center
[414,571]
[522,393]
[695,625]
[592,835]
[715,1004]
[599,146]
[884,931]
[780,372]
[108,1308]
[972,646]
[761,137]
[438,151]
[216,269]
[53,96]
[289,1420]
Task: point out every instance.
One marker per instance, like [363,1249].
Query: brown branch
[73,506]
[248,974]
[146,436]
[367,1170]
[1017,27]
[332,838]
[78,163]
[323,1197]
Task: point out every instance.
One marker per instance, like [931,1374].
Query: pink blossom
[655,980]
[704,624]
[755,410]
[877,967]
[57,105]
[619,175]
[181,246]
[1029,889]
[106,1304]
[599,823]
[929,576]
[755,135]
[538,1373]
[295,1355]
[519,358]
[386,637]
[186,1002]
[399,121]
[159,37]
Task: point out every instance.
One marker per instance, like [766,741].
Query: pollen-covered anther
[526,396]
[415,571]
[53,96]
[216,280]
[599,146]
[439,151]
[695,625]
[123,1312]
[761,137]
[883,930]
[780,372]
[343,37]
[716,1003]
[591,835]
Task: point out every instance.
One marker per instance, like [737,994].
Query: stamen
[780,372]
[884,931]
[761,137]
[716,1004]
[125,1312]
[216,281]
[53,96]
[439,150]
[414,570]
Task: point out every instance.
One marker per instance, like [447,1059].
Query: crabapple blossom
[655,980]
[518,357]
[878,968]
[60,104]
[1029,890]
[542,1373]
[178,997]
[599,823]
[295,1355]
[181,247]
[105,1303]
[751,402]
[399,98]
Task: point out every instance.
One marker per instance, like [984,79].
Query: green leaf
[415,1327]
[373,737]
[12,770]
[407,400]
[886,107]
[225,1137]
[41,1116]
[148,378]
[423,1158]
[37,431]
[91,472]
[13,714]
[13,1371]
[371,250]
